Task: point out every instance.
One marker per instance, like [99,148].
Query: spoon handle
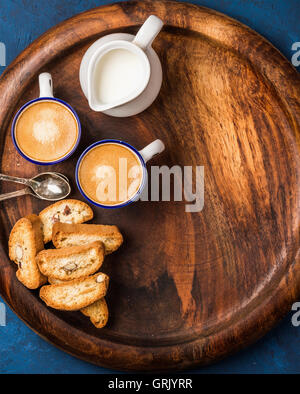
[17,193]
[4,177]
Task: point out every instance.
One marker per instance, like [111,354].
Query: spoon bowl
[62,175]
[50,186]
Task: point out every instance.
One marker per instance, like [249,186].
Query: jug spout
[119,71]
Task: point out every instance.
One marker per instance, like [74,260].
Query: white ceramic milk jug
[119,73]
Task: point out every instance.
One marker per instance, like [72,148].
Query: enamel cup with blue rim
[46,130]
[112,173]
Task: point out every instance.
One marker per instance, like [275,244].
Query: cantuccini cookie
[65,211]
[97,312]
[71,262]
[64,235]
[75,294]
[25,241]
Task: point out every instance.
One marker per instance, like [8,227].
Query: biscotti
[75,294]
[25,241]
[64,235]
[97,312]
[65,211]
[71,262]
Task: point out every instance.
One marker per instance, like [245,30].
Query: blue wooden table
[22,351]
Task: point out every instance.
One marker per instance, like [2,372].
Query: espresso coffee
[46,131]
[110,174]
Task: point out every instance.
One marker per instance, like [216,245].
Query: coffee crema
[46,131]
[110,174]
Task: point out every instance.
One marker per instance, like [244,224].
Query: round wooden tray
[186,288]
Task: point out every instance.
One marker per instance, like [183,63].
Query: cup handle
[147,33]
[46,85]
[152,149]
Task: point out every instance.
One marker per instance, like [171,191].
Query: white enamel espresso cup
[138,46]
[46,95]
[143,156]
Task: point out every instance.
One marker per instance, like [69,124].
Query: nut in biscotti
[65,211]
[71,262]
[54,281]
[64,235]
[75,294]
[25,241]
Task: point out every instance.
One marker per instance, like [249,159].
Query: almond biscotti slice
[25,241]
[72,262]
[75,294]
[64,235]
[65,211]
[97,312]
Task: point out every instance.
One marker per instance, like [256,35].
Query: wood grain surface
[186,288]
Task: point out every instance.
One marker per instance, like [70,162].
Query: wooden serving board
[186,288]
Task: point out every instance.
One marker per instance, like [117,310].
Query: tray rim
[275,311]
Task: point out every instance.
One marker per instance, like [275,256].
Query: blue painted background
[21,350]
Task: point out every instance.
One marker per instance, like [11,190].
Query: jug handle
[147,33]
